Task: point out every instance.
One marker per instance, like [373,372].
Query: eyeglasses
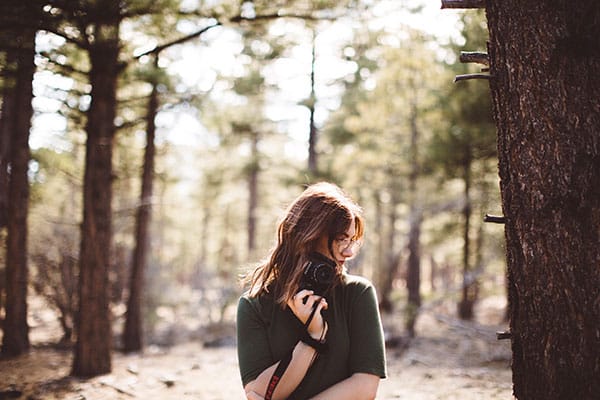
[348,244]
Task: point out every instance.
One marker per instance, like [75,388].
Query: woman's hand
[302,305]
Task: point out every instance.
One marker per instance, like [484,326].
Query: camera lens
[319,274]
[323,274]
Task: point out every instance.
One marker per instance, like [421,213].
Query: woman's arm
[302,305]
[367,349]
[359,386]
[302,356]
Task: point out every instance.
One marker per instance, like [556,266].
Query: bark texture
[16,123]
[92,353]
[545,62]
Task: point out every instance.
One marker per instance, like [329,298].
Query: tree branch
[235,19]
[463,4]
[471,76]
[503,335]
[497,219]
[129,124]
[474,57]
[65,69]
[180,40]
[308,17]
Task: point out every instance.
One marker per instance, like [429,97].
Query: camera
[318,275]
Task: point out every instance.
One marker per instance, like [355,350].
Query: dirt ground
[449,359]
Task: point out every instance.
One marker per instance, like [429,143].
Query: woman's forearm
[302,357]
[358,387]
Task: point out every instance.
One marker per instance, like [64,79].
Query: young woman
[306,329]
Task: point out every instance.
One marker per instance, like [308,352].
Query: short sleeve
[254,355]
[367,346]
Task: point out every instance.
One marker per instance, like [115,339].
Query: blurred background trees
[168,137]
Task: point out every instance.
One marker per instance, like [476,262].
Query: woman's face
[343,246]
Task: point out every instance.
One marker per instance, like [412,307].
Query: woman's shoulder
[355,290]
[258,303]
[356,282]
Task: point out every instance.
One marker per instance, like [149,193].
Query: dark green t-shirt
[266,333]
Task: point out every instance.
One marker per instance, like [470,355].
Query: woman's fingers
[302,305]
[303,295]
[317,302]
[302,301]
[317,326]
[323,305]
[305,302]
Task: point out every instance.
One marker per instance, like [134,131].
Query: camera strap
[319,346]
[310,318]
[276,377]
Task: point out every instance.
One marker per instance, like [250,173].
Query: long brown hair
[322,210]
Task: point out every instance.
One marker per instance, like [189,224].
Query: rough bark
[17,123]
[94,339]
[545,63]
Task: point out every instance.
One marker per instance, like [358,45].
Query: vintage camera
[318,275]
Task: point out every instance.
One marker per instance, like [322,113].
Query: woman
[306,329]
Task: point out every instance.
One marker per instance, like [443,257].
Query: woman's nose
[348,252]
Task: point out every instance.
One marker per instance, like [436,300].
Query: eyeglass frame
[348,242]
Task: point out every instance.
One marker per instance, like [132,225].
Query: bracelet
[319,345]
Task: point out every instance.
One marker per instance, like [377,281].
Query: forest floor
[449,359]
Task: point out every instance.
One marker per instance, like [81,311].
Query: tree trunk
[413,270]
[469,287]
[313,133]
[433,273]
[133,332]
[67,301]
[252,206]
[92,350]
[545,63]
[392,258]
[17,123]
[7,71]
[5,136]
[253,194]
[380,271]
